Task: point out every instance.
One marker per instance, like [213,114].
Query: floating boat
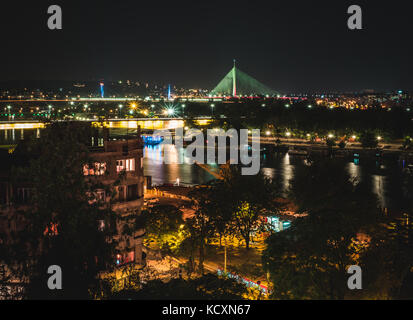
[151,140]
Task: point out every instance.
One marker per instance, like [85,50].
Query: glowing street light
[288,134]
[379,138]
[212,108]
[268,133]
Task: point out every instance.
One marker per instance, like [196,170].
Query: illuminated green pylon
[238,83]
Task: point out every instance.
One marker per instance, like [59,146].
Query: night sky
[289,45]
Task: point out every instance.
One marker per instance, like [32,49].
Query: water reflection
[385,180]
[168,173]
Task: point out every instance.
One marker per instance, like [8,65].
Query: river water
[384,178]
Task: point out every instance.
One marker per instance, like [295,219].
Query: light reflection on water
[281,171]
[161,172]
[384,183]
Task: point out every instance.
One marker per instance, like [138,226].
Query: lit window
[98,169]
[125,165]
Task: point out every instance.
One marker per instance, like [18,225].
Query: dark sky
[289,45]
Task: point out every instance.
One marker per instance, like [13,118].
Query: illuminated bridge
[237,83]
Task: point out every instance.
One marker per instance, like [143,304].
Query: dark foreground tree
[310,260]
[369,140]
[60,225]
[207,287]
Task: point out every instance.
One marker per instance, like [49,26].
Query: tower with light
[102,89]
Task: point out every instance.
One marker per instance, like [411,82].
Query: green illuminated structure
[238,83]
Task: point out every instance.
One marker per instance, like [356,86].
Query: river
[384,178]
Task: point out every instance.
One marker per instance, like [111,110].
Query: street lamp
[212,108]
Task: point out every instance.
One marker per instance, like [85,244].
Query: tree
[164,224]
[246,220]
[247,197]
[199,227]
[207,287]
[408,143]
[368,140]
[61,224]
[309,260]
[390,259]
